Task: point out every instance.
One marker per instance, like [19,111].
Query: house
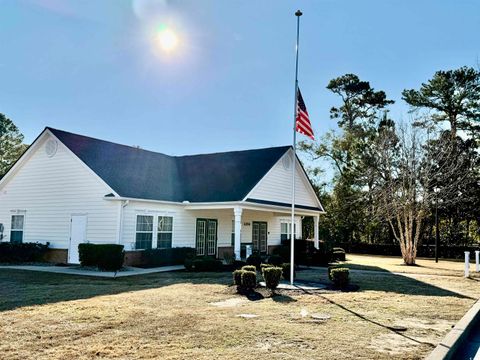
[68,189]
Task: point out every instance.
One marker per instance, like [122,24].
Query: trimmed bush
[110,257]
[237,277]
[249,280]
[206,264]
[249,268]
[340,276]
[265,266]
[87,254]
[338,249]
[272,277]
[338,256]
[107,257]
[275,260]
[286,271]
[22,252]
[166,257]
[255,260]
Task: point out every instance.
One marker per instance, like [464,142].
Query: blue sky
[94,67]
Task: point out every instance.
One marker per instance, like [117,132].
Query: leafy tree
[356,116]
[452,96]
[11,146]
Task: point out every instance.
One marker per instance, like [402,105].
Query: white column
[315,230]
[477,263]
[467,263]
[238,228]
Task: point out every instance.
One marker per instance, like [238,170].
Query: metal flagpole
[298,13]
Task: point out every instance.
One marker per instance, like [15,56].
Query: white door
[78,235]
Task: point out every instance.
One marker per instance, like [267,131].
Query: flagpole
[298,13]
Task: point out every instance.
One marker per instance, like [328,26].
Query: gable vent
[51,148]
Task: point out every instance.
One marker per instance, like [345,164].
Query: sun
[167,39]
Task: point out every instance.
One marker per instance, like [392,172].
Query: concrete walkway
[75,270]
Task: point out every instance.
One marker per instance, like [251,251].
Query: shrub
[188,262]
[87,254]
[338,256]
[237,277]
[286,271]
[275,260]
[249,280]
[272,277]
[265,266]
[340,276]
[110,257]
[330,268]
[238,264]
[254,260]
[249,268]
[207,264]
[107,257]
[338,249]
[22,252]
[166,257]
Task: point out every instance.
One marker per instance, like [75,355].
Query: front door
[78,235]
[206,239]
[259,236]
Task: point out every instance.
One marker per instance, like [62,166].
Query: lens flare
[167,39]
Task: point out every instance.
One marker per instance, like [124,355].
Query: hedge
[205,264]
[166,257]
[272,277]
[249,280]
[22,252]
[107,257]
[339,276]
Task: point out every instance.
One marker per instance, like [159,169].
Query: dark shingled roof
[143,174]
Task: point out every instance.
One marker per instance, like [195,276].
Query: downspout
[123,204]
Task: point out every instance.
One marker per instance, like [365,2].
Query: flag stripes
[302,122]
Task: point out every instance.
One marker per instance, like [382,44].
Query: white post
[238,228]
[467,263]
[315,230]
[477,263]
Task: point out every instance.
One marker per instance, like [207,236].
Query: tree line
[392,177]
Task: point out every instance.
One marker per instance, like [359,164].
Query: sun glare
[167,39]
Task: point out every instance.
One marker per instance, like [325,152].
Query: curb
[452,341]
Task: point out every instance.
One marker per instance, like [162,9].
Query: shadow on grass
[19,288]
[378,279]
[284,299]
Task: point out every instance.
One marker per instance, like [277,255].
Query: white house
[68,189]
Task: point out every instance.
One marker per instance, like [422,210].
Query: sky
[96,67]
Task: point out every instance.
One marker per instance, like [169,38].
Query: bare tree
[405,169]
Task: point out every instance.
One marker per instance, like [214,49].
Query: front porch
[229,229]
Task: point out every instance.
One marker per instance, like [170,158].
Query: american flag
[302,123]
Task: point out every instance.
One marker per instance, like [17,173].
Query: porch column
[316,219]
[237,211]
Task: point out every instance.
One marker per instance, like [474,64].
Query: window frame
[22,230]
[289,229]
[152,232]
[158,232]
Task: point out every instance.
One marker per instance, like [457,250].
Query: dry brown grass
[170,316]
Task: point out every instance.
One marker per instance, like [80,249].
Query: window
[285,230]
[16,231]
[144,232]
[233,233]
[164,232]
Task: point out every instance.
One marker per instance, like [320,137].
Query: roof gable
[143,174]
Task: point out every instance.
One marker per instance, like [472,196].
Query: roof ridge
[160,153]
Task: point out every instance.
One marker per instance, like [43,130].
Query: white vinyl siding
[276,186]
[50,190]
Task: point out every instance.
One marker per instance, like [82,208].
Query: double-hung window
[144,232]
[286,230]
[164,232]
[16,230]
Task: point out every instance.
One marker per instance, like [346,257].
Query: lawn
[195,315]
